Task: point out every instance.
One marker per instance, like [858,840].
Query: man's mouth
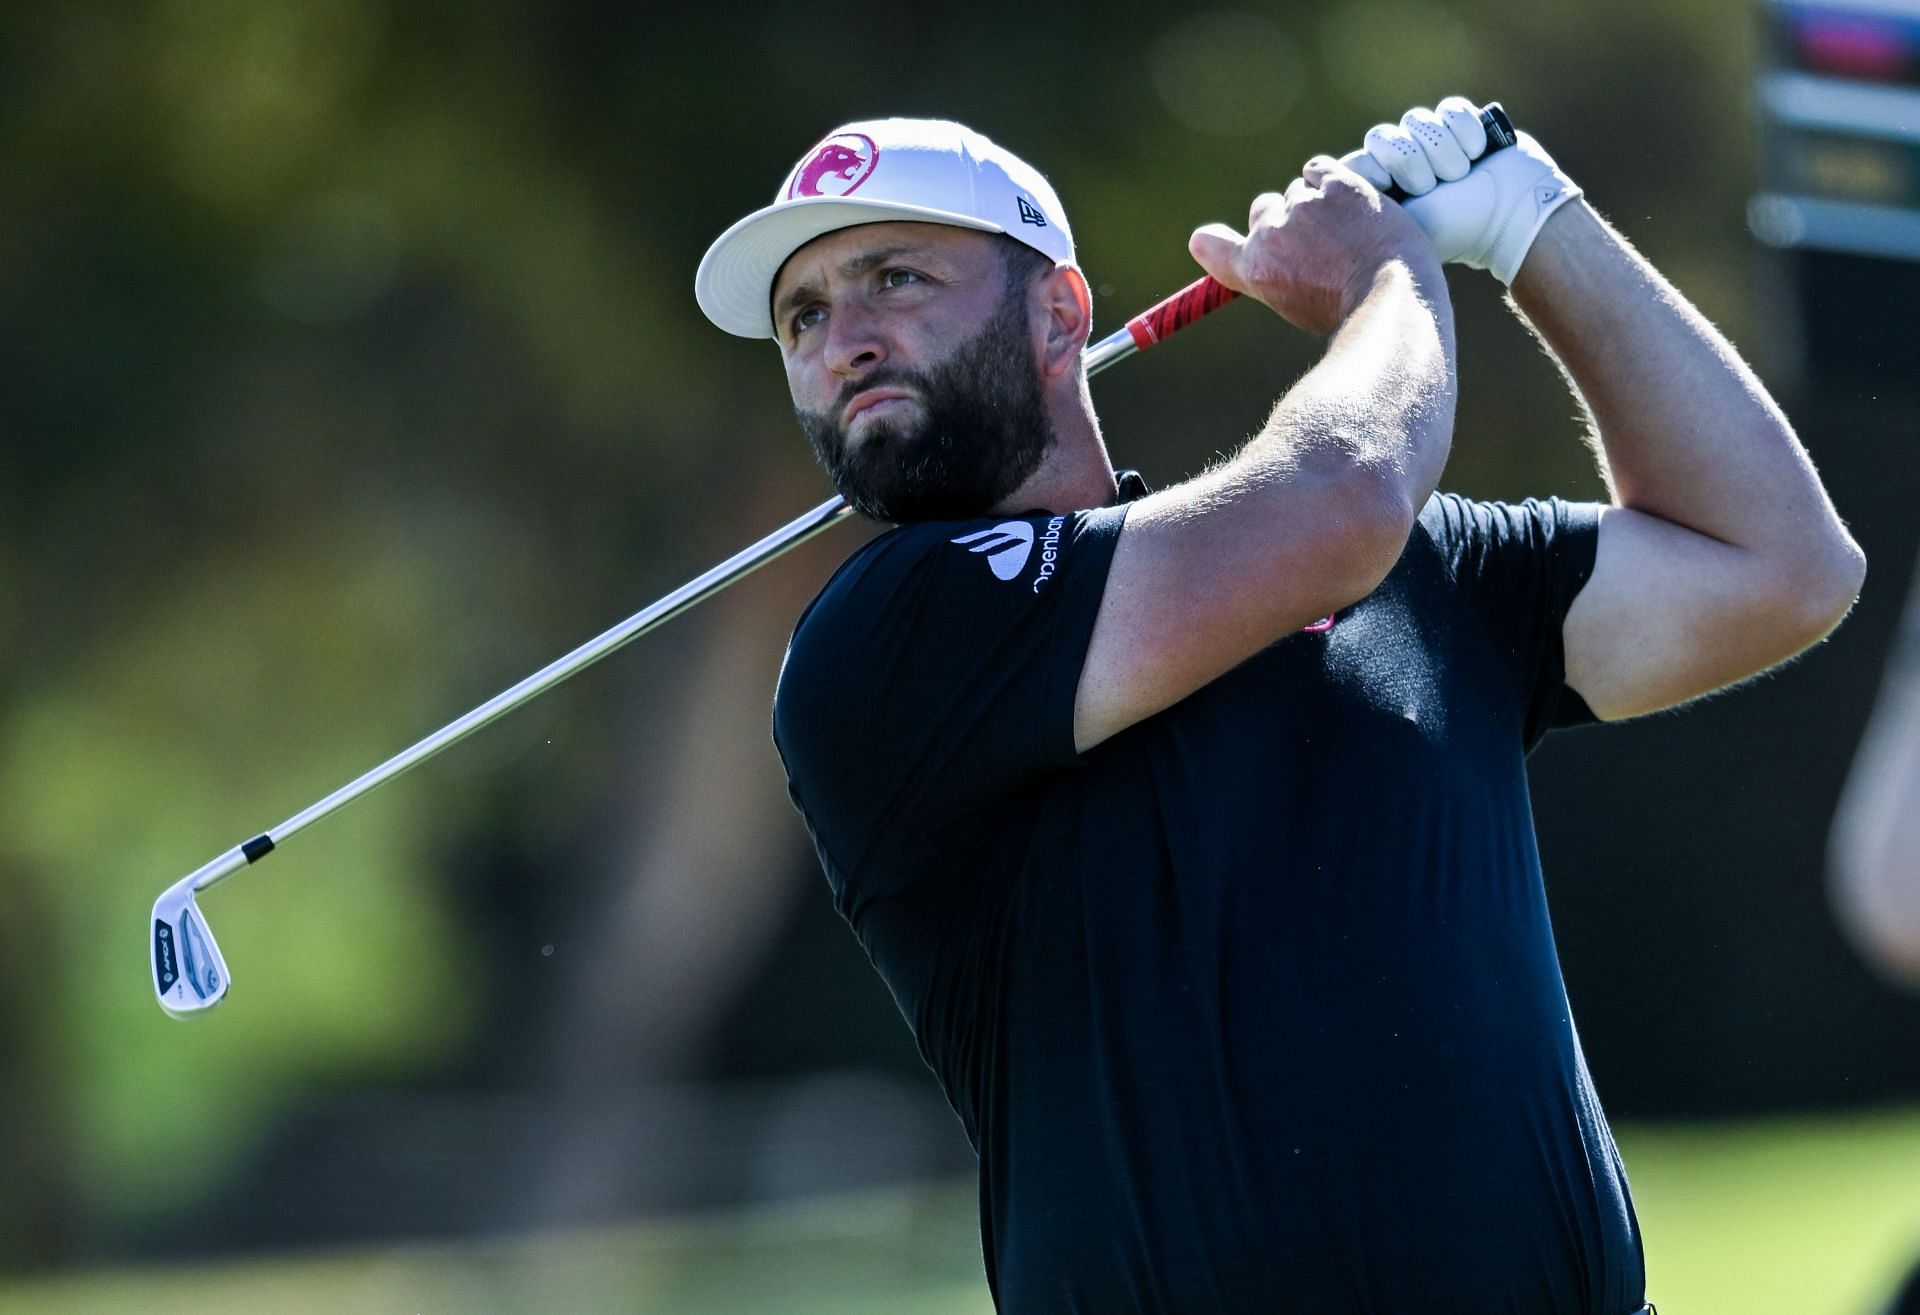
[872,399]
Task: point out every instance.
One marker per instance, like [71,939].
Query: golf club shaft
[1153,325]
[1145,329]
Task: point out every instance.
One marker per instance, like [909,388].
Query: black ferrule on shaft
[257,848]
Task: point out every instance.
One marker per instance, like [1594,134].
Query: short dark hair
[1020,261]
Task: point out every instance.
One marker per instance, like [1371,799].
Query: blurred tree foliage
[349,370]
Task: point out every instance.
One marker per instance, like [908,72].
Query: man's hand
[1311,254]
[1484,215]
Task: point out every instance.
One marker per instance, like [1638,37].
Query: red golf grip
[1203,296]
[1206,294]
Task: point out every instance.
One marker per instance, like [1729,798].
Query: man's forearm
[1382,397]
[1307,518]
[1688,432]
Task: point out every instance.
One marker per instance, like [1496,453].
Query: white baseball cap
[927,170]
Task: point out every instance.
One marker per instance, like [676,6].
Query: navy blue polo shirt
[1254,1006]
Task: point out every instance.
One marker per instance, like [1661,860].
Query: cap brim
[734,283]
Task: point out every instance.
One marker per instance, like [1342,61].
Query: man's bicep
[1668,615]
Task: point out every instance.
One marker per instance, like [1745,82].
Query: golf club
[189,972]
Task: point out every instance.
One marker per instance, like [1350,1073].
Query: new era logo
[1007,546]
[1030,213]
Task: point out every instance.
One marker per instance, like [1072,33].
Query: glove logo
[1007,545]
[836,167]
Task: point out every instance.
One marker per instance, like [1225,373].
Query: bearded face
[982,429]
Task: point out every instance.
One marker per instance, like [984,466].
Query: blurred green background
[349,370]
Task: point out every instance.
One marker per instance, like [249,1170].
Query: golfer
[1190,829]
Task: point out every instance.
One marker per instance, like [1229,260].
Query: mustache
[881,376]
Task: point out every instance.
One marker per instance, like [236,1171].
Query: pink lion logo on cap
[837,166]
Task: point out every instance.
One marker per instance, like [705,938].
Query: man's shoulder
[920,602]
[942,650]
[881,579]
[865,580]
[988,564]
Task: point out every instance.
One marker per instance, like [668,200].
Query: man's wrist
[1552,262]
[1418,268]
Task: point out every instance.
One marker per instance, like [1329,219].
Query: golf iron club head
[189,975]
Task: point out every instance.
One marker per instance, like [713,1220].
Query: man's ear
[1069,309]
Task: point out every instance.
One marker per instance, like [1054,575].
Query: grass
[1813,1216]
[1810,1216]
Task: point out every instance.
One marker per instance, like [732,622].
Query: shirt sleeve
[932,677]
[1520,567]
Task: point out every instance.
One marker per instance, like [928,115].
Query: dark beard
[986,430]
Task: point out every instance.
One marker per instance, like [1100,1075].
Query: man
[1190,832]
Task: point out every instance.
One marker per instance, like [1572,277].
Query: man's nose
[856,341]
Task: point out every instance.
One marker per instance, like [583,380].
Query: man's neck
[1076,473]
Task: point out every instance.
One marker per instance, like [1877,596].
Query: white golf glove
[1483,214]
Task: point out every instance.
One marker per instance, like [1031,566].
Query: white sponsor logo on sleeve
[1049,552]
[1010,544]
[1007,546]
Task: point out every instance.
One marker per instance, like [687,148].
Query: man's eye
[898,278]
[807,318]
